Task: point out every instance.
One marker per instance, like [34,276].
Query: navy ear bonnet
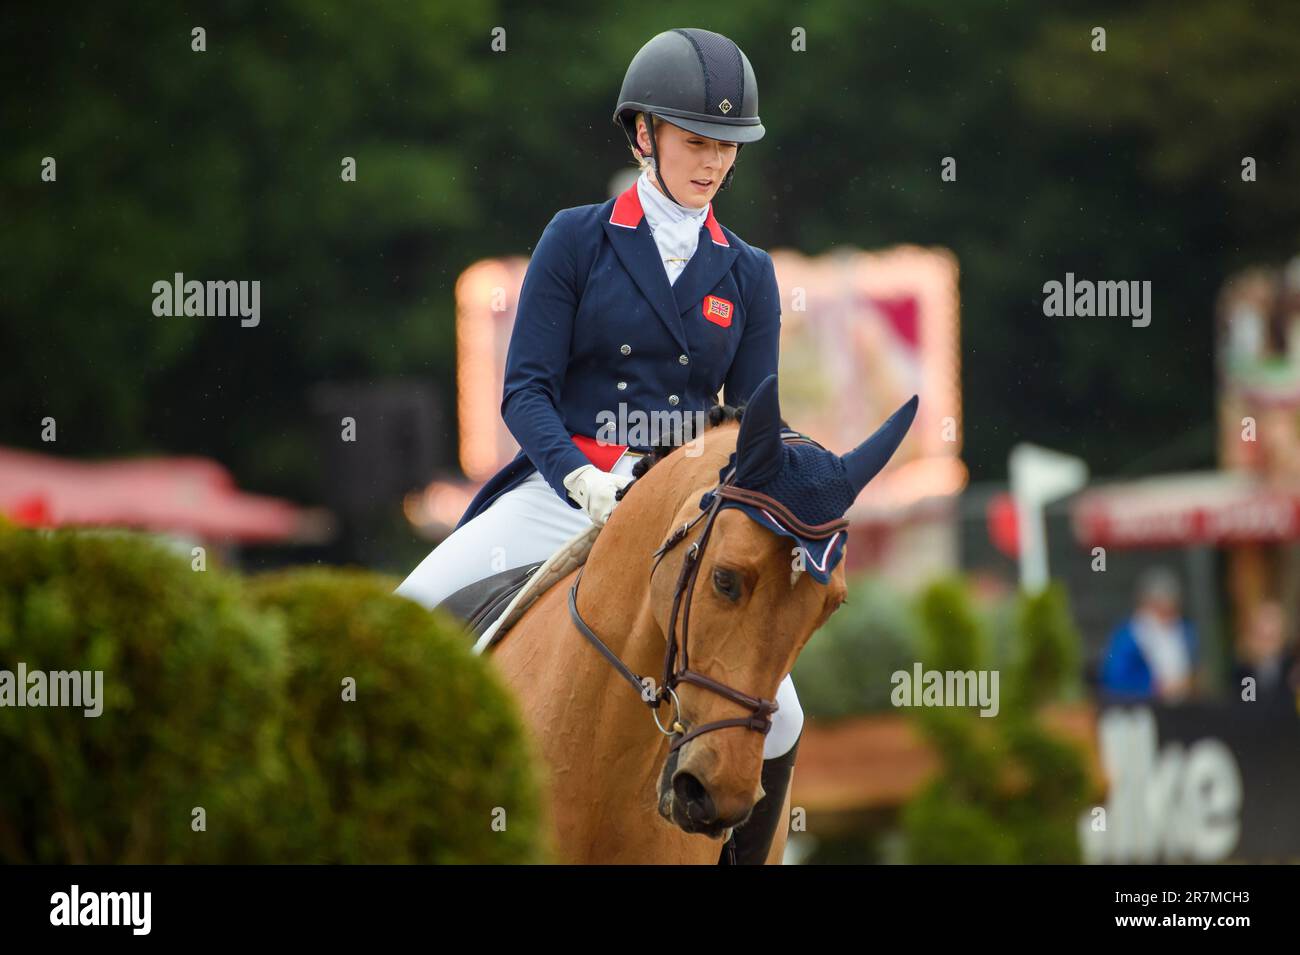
[805,481]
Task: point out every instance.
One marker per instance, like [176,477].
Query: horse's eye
[727,583]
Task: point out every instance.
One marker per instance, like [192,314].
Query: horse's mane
[717,415]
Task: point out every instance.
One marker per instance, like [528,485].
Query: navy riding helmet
[695,79]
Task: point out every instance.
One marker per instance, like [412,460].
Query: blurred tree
[226,165]
[190,697]
[428,763]
[1009,790]
[312,715]
[845,669]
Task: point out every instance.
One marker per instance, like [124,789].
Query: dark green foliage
[953,637]
[229,697]
[973,763]
[845,667]
[941,829]
[225,165]
[1048,662]
[1009,791]
[193,686]
[412,770]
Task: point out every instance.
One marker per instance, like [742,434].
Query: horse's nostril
[694,798]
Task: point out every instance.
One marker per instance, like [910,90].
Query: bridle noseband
[677,670]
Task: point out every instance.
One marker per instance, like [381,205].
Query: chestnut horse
[619,789]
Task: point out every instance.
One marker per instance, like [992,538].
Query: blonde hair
[644,161]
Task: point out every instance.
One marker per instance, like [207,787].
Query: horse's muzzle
[687,803]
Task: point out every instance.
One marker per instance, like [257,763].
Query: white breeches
[527,524]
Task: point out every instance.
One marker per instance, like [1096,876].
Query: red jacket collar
[628,214]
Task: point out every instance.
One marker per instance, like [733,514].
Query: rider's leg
[753,840]
[526,524]
[787,722]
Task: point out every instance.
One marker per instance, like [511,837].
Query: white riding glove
[594,490]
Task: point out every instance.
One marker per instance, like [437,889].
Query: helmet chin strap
[731,173]
[654,158]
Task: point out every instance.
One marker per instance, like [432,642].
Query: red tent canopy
[183,495]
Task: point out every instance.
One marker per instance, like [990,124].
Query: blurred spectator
[1264,654]
[1153,654]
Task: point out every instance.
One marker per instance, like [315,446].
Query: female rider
[643,304]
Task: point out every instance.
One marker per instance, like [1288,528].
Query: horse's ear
[865,461]
[758,447]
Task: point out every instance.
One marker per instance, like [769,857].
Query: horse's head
[766,510]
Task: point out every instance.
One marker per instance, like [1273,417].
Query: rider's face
[692,165]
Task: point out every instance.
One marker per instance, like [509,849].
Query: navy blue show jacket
[598,324]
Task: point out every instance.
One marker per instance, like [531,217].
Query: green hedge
[845,668]
[413,769]
[192,685]
[227,696]
[1009,791]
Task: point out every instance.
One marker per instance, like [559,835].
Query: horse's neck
[602,747]
[614,597]
[614,600]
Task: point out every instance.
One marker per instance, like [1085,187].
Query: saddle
[483,601]
[491,606]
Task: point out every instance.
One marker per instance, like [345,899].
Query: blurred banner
[861,332]
[1180,510]
[1208,782]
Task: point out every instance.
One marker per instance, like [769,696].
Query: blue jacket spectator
[1152,654]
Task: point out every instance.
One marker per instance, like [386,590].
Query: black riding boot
[750,843]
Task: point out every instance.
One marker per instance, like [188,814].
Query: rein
[677,668]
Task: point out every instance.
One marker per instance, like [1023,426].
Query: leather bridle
[677,666]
